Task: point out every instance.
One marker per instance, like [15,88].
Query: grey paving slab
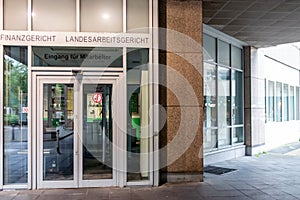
[269,176]
[285,197]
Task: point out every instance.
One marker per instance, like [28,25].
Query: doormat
[217,170]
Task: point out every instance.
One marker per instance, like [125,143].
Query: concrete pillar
[181,90]
[254,102]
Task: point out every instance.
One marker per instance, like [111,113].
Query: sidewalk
[267,176]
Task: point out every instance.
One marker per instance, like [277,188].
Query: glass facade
[223,94]
[282,104]
[137,116]
[77,142]
[87,16]
[15,102]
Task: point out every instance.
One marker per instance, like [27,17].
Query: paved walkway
[266,176]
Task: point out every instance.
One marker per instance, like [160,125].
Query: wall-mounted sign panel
[77,57]
[35,38]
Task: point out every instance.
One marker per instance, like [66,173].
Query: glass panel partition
[138,16]
[101,16]
[236,57]
[97,153]
[292,103]
[223,53]
[237,97]
[278,102]
[210,139]
[224,106]
[224,97]
[210,96]
[15,14]
[271,102]
[138,137]
[54,15]
[285,102]
[15,102]
[58,131]
[297,103]
[209,48]
[237,135]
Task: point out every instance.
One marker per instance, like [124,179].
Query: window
[138,16]
[292,103]
[236,57]
[285,102]
[15,102]
[237,97]
[223,93]
[138,142]
[54,15]
[271,102]
[15,14]
[278,102]
[223,53]
[210,139]
[297,103]
[224,99]
[209,48]
[238,135]
[106,15]
[210,96]
[224,106]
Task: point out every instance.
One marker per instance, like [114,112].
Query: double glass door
[75,132]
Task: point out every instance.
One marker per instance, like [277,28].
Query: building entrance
[75,132]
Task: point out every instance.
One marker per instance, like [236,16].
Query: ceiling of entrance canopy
[259,23]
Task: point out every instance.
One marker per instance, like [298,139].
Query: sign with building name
[36,38]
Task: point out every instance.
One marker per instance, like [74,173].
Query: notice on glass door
[94,107]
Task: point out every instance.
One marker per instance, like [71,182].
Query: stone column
[254,102]
[181,90]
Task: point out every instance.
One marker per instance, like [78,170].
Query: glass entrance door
[75,133]
[97,134]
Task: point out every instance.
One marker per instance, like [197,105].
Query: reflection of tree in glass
[15,88]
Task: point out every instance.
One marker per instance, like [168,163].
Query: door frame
[39,79]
